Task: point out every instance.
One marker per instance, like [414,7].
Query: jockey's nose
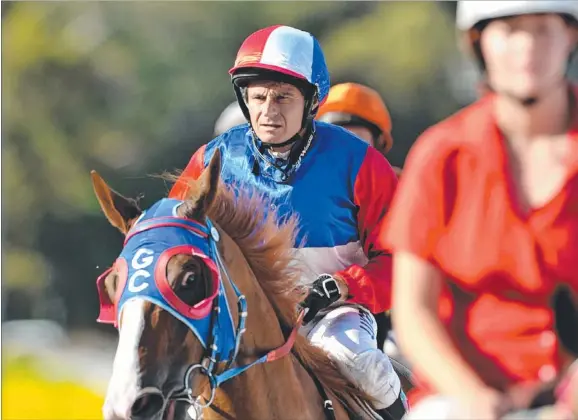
[270,107]
[148,405]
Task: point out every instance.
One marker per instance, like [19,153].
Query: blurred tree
[400,49]
[124,88]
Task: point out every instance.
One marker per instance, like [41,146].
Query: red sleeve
[375,184]
[192,171]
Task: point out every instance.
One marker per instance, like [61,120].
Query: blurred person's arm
[420,212]
[417,287]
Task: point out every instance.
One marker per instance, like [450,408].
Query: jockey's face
[276,110]
[526,55]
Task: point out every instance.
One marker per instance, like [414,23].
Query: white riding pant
[347,334]
[391,348]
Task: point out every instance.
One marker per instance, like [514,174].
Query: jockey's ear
[208,187]
[566,319]
[120,211]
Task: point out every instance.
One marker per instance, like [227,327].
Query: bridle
[210,320]
[209,362]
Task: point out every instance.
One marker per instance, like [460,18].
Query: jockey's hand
[324,291]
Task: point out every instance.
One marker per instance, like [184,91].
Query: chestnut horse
[205,301]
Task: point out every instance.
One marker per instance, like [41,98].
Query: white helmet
[229,118]
[472,12]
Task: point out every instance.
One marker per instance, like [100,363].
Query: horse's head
[163,293]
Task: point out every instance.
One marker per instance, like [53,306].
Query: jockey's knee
[344,332]
[348,336]
[374,373]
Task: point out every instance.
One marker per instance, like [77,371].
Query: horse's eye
[189,279]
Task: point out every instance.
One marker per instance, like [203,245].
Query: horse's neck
[277,390]
[280,389]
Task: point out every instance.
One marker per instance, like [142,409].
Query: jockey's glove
[324,291]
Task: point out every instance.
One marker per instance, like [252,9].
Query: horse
[187,270]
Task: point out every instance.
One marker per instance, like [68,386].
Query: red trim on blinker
[199,310]
[135,230]
[122,273]
[109,310]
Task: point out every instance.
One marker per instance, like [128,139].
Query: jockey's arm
[417,218]
[370,285]
[192,171]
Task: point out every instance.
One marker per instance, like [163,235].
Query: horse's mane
[267,245]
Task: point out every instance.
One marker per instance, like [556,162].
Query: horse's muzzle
[148,404]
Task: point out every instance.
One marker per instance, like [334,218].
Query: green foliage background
[134,88]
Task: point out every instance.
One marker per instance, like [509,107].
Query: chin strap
[292,140]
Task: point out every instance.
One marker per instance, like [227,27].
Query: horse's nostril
[147,405]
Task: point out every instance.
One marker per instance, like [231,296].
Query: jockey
[360,110]
[231,116]
[339,193]
[484,225]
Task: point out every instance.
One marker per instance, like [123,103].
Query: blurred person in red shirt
[484,224]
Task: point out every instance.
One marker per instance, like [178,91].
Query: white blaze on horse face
[125,382]
[139,264]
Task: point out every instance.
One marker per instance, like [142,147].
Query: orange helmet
[355,104]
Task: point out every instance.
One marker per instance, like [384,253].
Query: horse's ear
[566,319]
[119,210]
[209,183]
